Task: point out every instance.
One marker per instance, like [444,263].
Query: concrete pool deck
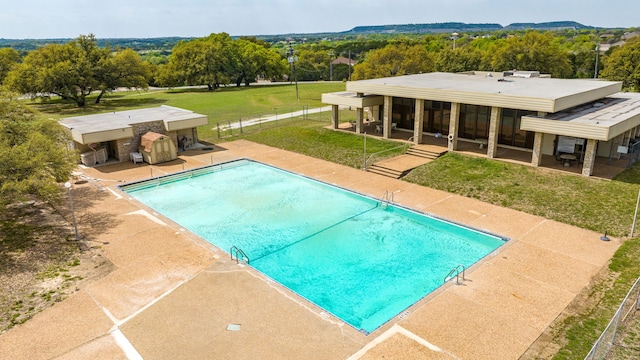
[173,295]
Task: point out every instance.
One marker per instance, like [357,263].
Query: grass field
[594,204]
[224,104]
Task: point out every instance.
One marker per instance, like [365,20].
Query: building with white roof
[116,135]
[577,119]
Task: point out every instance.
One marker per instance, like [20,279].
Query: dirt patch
[41,263]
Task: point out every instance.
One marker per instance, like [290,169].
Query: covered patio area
[605,167]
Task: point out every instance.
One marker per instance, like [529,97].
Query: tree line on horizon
[79,67]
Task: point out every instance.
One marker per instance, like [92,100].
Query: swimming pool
[360,259]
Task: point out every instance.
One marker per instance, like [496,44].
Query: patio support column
[418,122]
[494,131]
[359,117]
[335,116]
[536,158]
[386,117]
[453,126]
[589,157]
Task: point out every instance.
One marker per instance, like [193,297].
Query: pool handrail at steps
[237,251]
[387,198]
[455,270]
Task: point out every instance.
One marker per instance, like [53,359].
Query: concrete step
[385,171]
[424,152]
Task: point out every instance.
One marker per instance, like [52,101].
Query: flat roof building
[576,119]
[118,134]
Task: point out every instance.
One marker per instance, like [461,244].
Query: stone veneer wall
[127,146]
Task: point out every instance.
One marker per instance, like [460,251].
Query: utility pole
[349,65]
[331,55]
[292,60]
[595,73]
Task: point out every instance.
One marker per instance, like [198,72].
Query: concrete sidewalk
[275,117]
[173,295]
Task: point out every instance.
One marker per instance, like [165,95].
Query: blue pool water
[359,260]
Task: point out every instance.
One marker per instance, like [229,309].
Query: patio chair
[136,157]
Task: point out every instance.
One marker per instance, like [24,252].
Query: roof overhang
[355,100]
[119,125]
[599,120]
[534,94]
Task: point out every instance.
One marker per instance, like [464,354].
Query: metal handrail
[387,198]
[457,271]
[404,146]
[237,251]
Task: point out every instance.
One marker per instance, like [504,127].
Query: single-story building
[577,119]
[116,135]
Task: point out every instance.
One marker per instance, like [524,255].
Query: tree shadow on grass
[34,234]
[117,103]
[630,175]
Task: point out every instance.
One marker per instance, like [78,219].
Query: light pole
[454,36]
[292,60]
[73,214]
[595,73]
[331,53]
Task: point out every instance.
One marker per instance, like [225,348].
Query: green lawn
[227,103]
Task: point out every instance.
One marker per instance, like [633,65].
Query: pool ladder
[455,270]
[239,255]
[387,198]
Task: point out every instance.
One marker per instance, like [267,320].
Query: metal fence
[606,341]
[249,124]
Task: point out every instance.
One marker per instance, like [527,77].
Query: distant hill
[166,43]
[423,28]
[462,27]
[548,26]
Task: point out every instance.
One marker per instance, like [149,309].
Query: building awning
[346,98]
[603,119]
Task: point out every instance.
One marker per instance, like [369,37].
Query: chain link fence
[250,124]
[607,340]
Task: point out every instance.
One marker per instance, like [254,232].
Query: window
[403,112]
[436,117]
[510,132]
[474,121]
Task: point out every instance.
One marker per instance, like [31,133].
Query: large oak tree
[218,60]
[394,60]
[8,59]
[531,51]
[76,69]
[623,64]
[33,152]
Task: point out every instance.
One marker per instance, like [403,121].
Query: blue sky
[157,18]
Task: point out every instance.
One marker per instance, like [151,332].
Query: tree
[33,152]
[623,64]
[532,51]
[253,60]
[202,61]
[74,70]
[217,59]
[8,59]
[394,60]
[123,69]
[458,60]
